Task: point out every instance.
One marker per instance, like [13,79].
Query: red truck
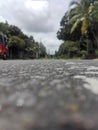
[3,47]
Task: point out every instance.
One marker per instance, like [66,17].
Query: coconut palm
[80,14]
[83,11]
[86,13]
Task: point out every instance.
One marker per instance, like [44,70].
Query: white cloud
[37,5]
[36,17]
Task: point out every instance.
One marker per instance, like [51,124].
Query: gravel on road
[49,94]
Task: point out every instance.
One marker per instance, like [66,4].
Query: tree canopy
[19,42]
[79,24]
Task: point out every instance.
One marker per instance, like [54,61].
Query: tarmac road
[49,95]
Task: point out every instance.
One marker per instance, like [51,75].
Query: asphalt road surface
[49,95]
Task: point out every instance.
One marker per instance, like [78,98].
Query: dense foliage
[79,26]
[21,45]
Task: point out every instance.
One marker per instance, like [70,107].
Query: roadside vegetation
[21,45]
[79,31]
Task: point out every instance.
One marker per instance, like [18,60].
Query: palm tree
[80,14]
[86,13]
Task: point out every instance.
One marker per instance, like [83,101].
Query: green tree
[20,44]
[68,48]
[85,12]
[16,47]
[65,27]
[15,31]
[4,27]
[80,14]
[78,23]
[16,42]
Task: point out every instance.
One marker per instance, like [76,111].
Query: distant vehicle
[3,47]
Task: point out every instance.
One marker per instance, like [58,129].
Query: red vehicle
[3,47]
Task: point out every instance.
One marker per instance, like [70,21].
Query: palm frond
[91,8]
[94,12]
[74,18]
[75,25]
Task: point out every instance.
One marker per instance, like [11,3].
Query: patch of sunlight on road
[90,83]
[93,73]
[72,63]
[92,68]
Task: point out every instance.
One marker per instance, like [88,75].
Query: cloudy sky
[39,18]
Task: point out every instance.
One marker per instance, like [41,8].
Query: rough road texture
[48,95]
